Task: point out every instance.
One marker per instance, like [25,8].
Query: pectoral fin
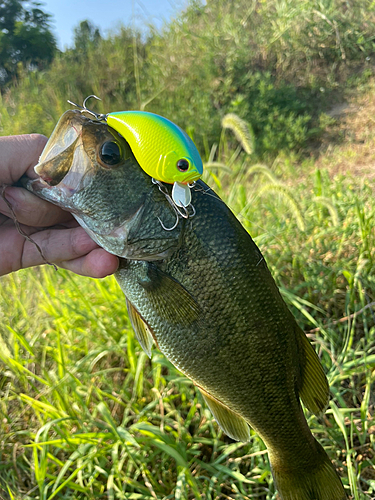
[142,331]
[168,297]
[314,389]
[230,422]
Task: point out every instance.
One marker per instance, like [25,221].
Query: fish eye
[183,165]
[110,153]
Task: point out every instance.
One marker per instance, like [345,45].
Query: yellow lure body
[162,149]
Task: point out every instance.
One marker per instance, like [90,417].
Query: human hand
[55,231]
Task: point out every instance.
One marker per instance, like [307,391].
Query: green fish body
[204,295]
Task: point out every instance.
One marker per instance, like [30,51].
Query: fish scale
[204,295]
[218,334]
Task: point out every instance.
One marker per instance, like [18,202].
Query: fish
[203,295]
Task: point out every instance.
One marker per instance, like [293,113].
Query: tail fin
[319,483]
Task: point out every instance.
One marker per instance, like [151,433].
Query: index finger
[19,155]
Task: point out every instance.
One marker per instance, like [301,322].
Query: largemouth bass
[203,294]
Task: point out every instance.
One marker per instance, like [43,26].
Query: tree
[86,35]
[25,37]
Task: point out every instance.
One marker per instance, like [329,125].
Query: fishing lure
[162,149]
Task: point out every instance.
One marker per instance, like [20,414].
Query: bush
[264,61]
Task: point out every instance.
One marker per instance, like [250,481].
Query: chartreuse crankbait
[162,149]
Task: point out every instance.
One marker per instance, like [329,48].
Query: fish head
[88,169]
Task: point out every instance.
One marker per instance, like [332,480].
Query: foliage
[85,35]
[277,65]
[25,37]
[83,412]
[262,60]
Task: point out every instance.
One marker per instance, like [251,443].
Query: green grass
[85,414]
[280,65]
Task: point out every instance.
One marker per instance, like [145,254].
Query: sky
[107,14]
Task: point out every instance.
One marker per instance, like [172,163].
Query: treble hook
[98,116]
[184,214]
[169,228]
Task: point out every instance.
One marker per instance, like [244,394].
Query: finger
[3,219]
[57,245]
[97,264]
[19,154]
[31,210]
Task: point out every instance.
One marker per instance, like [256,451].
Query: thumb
[18,155]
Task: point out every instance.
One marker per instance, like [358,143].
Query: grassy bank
[85,414]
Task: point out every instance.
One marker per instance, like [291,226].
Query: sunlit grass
[85,414]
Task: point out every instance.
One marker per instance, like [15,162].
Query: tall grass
[279,65]
[85,414]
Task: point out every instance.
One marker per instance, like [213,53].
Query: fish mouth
[56,158]
[63,167]
[53,171]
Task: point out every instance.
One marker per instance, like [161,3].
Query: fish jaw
[62,168]
[117,237]
[43,190]
[111,236]
[115,240]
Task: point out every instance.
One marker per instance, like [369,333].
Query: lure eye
[183,165]
[110,153]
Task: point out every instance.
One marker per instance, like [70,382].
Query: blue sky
[107,15]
